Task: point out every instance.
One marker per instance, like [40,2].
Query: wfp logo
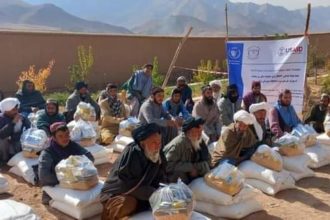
[290,50]
[253,52]
[234,53]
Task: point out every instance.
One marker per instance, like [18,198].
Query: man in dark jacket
[61,147]
[12,125]
[135,175]
[187,155]
[30,99]
[317,114]
[49,116]
[186,93]
[81,94]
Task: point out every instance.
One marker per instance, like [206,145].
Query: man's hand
[179,121]
[172,123]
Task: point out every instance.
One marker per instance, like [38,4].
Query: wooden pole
[227,29]
[177,52]
[306,98]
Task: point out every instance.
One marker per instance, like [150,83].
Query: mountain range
[160,17]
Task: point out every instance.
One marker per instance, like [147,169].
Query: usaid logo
[290,50]
[253,52]
[235,53]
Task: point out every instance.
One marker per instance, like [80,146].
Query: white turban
[259,106]
[244,117]
[215,82]
[8,104]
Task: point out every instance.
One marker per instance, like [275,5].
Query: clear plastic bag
[172,202]
[226,178]
[290,145]
[34,140]
[267,157]
[127,126]
[85,111]
[306,133]
[83,131]
[76,172]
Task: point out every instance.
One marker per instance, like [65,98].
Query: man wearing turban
[187,155]
[12,124]
[135,175]
[237,142]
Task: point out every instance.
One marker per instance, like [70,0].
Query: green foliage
[61,97]
[157,78]
[83,67]
[326,85]
[203,75]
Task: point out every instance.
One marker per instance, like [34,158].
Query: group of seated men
[171,141]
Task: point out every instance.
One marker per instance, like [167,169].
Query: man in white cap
[260,127]
[216,89]
[237,142]
[12,125]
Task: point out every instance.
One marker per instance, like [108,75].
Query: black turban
[192,123]
[144,131]
[80,85]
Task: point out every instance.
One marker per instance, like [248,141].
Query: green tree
[157,77]
[204,71]
[80,70]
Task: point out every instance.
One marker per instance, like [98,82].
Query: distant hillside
[19,15]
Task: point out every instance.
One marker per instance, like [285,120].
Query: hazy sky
[290,4]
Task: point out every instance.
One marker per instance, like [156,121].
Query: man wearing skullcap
[283,117]
[12,125]
[229,104]
[49,115]
[207,109]
[237,142]
[317,114]
[80,94]
[30,99]
[135,175]
[139,87]
[187,155]
[186,93]
[216,90]
[112,113]
[260,127]
[60,148]
[255,96]
[152,111]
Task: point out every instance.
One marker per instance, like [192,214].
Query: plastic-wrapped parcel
[33,140]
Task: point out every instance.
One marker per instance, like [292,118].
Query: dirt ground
[311,199]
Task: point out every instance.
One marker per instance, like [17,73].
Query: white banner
[277,64]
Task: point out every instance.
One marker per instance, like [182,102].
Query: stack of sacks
[319,155]
[120,143]
[127,126]
[33,118]
[101,154]
[294,160]
[76,203]
[11,209]
[324,139]
[267,157]
[76,172]
[267,180]
[326,125]
[148,216]
[33,141]
[4,186]
[222,193]
[172,202]
[83,132]
[22,166]
[306,133]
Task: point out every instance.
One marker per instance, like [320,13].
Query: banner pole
[306,34]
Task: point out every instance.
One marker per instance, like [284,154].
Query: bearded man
[187,155]
[255,96]
[135,175]
[207,109]
[229,104]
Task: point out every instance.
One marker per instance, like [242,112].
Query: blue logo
[234,53]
